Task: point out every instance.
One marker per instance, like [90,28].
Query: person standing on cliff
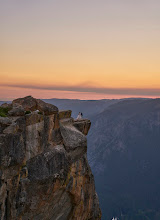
[80,115]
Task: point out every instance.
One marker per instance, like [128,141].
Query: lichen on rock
[44,172]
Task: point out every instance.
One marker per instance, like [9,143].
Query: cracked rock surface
[44,171]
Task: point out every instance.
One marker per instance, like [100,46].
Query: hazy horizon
[11,99]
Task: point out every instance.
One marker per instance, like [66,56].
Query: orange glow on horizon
[112,44]
[8,93]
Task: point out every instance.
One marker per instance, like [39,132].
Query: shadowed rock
[83,125]
[5,121]
[16,111]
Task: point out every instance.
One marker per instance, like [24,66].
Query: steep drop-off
[44,172]
[123,151]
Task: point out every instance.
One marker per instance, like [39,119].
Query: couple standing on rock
[80,115]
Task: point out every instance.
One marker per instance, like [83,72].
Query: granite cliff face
[44,172]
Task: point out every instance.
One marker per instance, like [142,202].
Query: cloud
[92,89]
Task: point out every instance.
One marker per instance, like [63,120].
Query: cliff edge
[44,172]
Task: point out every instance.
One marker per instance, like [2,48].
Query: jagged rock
[47,108]
[28,103]
[72,138]
[50,162]
[31,104]
[5,121]
[12,149]
[33,118]
[44,172]
[12,129]
[17,111]
[67,121]
[82,125]
[65,114]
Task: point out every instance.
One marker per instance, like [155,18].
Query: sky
[88,49]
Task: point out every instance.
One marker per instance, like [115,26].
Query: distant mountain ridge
[124,149]
[87,107]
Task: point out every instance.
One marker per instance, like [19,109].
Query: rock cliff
[44,172]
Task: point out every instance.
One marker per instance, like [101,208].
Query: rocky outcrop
[44,172]
[83,125]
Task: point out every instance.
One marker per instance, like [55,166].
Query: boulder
[72,138]
[17,111]
[83,125]
[5,121]
[47,108]
[12,129]
[67,121]
[28,103]
[64,114]
[33,118]
[31,104]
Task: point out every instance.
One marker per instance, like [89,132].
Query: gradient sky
[88,49]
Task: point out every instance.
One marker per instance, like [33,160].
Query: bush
[3,112]
[27,112]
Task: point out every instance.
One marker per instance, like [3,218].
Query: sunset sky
[88,49]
